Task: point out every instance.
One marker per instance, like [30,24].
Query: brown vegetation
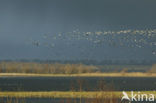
[153,69]
[40,68]
[57,69]
[105,95]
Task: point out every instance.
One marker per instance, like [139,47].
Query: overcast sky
[22,20]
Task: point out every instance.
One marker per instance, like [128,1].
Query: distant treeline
[58,68]
[43,68]
[153,69]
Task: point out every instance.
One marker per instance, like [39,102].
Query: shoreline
[132,74]
[68,94]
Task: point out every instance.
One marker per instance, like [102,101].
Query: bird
[36,43]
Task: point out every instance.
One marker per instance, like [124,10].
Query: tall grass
[12,100]
[101,97]
[104,95]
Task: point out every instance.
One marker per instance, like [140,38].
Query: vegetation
[153,69]
[68,94]
[65,97]
[105,95]
[58,68]
[134,74]
[43,68]
[124,68]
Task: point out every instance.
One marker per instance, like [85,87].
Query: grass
[69,94]
[64,97]
[132,74]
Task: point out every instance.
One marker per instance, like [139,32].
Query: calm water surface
[68,83]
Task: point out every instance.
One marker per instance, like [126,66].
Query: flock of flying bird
[121,38]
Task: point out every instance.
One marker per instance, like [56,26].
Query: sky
[23,23]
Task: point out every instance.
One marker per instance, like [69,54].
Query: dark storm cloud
[21,20]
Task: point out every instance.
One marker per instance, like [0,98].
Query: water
[67,83]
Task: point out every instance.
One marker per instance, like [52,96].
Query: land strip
[132,74]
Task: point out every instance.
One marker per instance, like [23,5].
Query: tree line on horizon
[58,68]
[44,68]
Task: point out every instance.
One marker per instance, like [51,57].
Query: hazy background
[21,20]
